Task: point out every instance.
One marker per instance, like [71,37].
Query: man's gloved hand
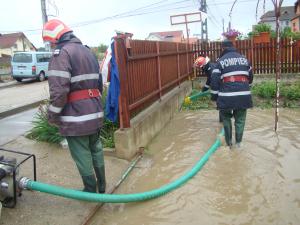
[204,88]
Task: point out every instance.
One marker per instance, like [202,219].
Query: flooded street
[256,185]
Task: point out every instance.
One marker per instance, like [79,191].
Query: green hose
[188,100]
[123,198]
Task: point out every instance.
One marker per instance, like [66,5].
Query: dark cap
[227,44]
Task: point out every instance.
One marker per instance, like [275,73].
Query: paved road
[21,95]
[14,126]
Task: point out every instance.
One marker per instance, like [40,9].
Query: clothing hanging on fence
[112,99]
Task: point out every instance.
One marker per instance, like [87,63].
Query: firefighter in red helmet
[207,67]
[75,102]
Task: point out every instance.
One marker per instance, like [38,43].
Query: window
[294,27]
[22,58]
[43,57]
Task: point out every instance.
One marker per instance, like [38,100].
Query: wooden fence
[262,56]
[148,70]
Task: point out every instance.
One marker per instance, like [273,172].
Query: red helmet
[54,29]
[201,61]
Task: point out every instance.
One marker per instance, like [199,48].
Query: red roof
[170,35]
[8,40]
[177,33]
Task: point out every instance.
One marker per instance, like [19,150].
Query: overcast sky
[95,21]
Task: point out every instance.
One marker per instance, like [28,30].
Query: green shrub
[296,35]
[262,27]
[264,94]
[265,89]
[291,92]
[109,128]
[43,131]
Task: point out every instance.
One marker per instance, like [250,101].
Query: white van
[30,65]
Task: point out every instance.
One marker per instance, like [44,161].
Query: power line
[138,11]
[213,18]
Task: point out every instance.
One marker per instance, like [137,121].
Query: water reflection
[257,185]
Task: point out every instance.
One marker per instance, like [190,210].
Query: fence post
[158,70]
[178,64]
[187,58]
[121,58]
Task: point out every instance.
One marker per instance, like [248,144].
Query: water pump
[9,175]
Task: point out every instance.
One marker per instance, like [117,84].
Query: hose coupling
[23,182]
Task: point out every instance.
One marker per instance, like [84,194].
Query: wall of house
[22,45]
[6,51]
[18,46]
[153,38]
[283,24]
[295,25]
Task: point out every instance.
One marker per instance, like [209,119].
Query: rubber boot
[220,117]
[100,174]
[89,183]
[228,131]
[240,119]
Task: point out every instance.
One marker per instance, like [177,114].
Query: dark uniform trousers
[239,123]
[88,155]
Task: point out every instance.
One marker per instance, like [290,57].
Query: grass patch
[199,103]
[263,96]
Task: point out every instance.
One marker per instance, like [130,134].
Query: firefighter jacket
[207,69]
[230,81]
[73,67]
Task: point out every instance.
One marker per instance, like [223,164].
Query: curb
[13,111]
[107,151]
[8,84]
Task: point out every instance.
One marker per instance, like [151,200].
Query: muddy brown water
[256,185]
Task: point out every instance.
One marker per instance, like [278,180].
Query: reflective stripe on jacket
[231,95]
[73,67]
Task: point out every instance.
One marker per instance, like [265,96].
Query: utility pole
[44,11]
[45,20]
[204,32]
[223,25]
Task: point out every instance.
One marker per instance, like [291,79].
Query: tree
[102,48]
[99,51]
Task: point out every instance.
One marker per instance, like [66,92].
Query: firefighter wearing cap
[230,87]
[75,102]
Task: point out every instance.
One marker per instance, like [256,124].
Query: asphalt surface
[18,105]
[16,97]
[16,125]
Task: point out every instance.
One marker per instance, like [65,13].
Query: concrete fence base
[147,124]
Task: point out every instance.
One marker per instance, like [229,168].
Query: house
[10,43]
[287,14]
[192,40]
[296,19]
[172,36]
